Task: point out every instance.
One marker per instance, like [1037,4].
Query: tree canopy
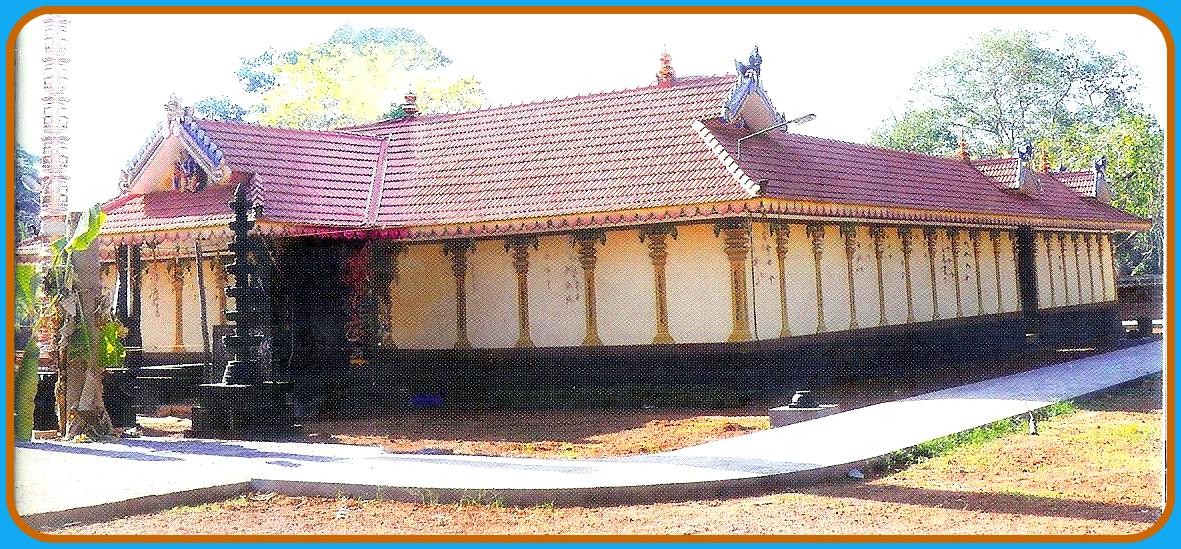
[1065,96]
[28,194]
[358,75]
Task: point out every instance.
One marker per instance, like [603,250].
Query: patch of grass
[229,504]
[906,457]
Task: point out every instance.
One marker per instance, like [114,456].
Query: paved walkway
[56,481]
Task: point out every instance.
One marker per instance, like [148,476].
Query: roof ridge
[689,82]
[332,132]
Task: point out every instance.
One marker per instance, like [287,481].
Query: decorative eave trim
[767,207]
[202,148]
[138,161]
[727,161]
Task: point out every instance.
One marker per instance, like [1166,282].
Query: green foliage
[356,76]
[220,108]
[25,303]
[27,199]
[1067,97]
[87,229]
[111,351]
[1134,145]
[25,392]
[925,131]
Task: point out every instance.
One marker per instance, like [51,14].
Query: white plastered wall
[556,313]
[625,290]
[698,278]
[491,296]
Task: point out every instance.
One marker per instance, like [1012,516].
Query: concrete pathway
[56,482]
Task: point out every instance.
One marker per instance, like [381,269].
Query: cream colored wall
[698,278]
[1010,295]
[865,279]
[1109,266]
[625,290]
[556,313]
[763,287]
[894,282]
[1044,280]
[157,308]
[944,278]
[491,296]
[835,279]
[799,271]
[920,277]
[423,299]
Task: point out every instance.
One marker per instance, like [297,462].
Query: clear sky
[851,70]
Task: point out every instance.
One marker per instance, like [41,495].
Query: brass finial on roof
[666,74]
[962,149]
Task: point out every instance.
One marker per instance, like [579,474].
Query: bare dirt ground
[1097,470]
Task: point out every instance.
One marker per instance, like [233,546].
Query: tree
[356,76]
[927,131]
[28,194]
[1133,145]
[220,108]
[1008,86]
[86,339]
[1071,100]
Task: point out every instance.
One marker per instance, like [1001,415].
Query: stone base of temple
[256,412]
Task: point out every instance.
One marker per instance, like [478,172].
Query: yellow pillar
[849,231]
[1102,269]
[974,236]
[736,236]
[782,232]
[904,235]
[1062,254]
[1078,268]
[1050,264]
[878,233]
[954,235]
[816,231]
[658,252]
[519,247]
[995,236]
[458,250]
[931,235]
[585,242]
[1090,265]
[177,268]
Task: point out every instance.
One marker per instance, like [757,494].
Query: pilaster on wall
[931,235]
[459,250]
[878,233]
[849,232]
[1078,268]
[519,247]
[816,231]
[954,236]
[782,234]
[1102,269]
[584,242]
[904,235]
[1065,279]
[736,238]
[177,268]
[656,236]
[1090,265]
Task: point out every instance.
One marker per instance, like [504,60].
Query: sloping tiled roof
[800,167]
[1082,182]
[596,153]
[643,149]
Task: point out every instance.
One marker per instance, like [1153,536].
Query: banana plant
[87,340]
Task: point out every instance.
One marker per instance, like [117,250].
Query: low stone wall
[689,375]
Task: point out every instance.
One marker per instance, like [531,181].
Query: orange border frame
[622,10]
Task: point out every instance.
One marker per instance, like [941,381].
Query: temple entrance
[310,315]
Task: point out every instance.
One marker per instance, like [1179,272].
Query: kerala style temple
[671,239]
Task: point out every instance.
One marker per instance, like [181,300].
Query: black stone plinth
[260,411]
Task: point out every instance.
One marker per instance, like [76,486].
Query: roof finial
[666,74]
[962,149]
[1045,164]
[410,107]
[753,68]
[172,109]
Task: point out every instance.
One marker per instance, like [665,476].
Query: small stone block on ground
[786,415]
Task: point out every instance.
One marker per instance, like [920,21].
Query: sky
[852,71]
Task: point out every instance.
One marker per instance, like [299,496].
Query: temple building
[677,237]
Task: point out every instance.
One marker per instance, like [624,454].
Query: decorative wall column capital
[519,247]
[781,231]
[905,235]
[656,236]
[816,231]
[878,233]
[849,232]
[735,234]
